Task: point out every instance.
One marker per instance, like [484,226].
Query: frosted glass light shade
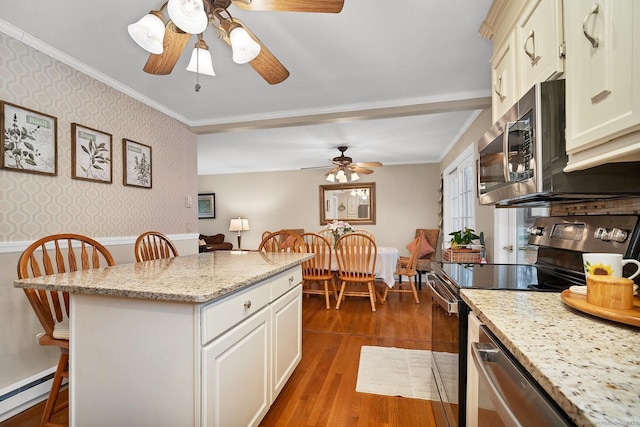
[148,33]
[201,62]
[239,224]
[354,177]
[188,15]
[340,176]
[331,178]
[244,47]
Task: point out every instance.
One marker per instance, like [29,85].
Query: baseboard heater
[25,393]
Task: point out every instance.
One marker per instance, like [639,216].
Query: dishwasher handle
[483,353]
[450,306]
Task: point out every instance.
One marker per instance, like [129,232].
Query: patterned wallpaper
[33,205]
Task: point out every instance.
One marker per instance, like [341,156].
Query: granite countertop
[589,366]
[192,278]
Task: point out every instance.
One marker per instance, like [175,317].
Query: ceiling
[396,82]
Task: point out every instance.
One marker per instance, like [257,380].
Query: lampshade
[201,60]
[354,177]
[331,178]
[239,224]
[148,32]
[188,15]
[340,176]
[244,47]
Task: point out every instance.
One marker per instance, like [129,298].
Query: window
[459,193]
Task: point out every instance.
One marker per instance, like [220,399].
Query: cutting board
[579,302]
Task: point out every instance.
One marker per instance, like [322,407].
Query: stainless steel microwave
[522,157]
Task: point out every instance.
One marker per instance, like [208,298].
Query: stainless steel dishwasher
[507,396]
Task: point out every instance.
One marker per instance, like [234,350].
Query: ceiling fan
[345,170]
[167,39]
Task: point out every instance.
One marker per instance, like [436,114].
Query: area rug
[394,371]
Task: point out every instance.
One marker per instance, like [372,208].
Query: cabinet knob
[247,304]
[290,279]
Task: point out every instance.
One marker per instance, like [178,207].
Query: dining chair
[152,245]
[317,270]
[52,307]
[356,256]
[406,267]
[365,232]
[281,241]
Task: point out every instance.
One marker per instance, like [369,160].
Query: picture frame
[30,140]
[91,154]
[206,205]
[137,165]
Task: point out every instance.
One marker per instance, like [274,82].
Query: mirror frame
[370,186]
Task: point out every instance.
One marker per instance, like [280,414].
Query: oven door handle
[450,306]
[482,354]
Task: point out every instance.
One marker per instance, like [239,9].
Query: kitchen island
[589,366]
[206,339]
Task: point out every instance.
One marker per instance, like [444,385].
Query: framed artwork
[137,168]
[207,205]
[90,154]
[30,140]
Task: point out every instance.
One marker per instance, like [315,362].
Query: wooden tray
[579,302]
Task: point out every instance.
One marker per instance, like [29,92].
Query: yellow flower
[599,269]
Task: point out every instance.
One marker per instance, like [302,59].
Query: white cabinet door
[603,80]
[235,375]
[539,39]
[504,78]
[286,326]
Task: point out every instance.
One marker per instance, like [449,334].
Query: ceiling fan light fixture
[245,49]
[354,177]
[188,15]
[148,32]
[331,177]
[201,62]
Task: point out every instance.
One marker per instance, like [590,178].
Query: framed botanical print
[207,205]
[90,154]
[30,140]
[137,168]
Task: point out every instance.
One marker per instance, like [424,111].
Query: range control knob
[536,231]
[618,235]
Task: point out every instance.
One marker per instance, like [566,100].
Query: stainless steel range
[561,241]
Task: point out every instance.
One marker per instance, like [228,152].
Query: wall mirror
[354,203]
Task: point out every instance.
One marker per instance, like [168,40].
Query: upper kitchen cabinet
[540,42]
[528,43]
[503,78]
[603,82]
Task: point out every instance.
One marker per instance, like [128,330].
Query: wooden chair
[327,234]
[356,255]
[281,241]
[52,308]
[152,245]
[423,265]
[365,232]
[318,269]
[406,267]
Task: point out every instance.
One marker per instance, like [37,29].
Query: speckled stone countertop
[589,366]
[191,278]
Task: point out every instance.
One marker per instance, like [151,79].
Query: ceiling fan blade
[368,164]
[361,170]
[265,64]
[174,42]
[322,6]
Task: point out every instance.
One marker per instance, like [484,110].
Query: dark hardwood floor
[322,390]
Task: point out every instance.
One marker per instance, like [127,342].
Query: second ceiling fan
[166,41]
[345,170]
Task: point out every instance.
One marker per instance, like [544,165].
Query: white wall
[406,199]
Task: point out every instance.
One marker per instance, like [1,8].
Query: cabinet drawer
[283,282]
[220,316]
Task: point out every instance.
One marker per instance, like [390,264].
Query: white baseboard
[26,394]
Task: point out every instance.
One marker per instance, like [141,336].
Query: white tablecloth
[386,260]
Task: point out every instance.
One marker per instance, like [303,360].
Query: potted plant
[462,238]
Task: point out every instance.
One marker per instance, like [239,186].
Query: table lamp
[239,224]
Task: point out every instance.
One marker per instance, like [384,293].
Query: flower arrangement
[338,229]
